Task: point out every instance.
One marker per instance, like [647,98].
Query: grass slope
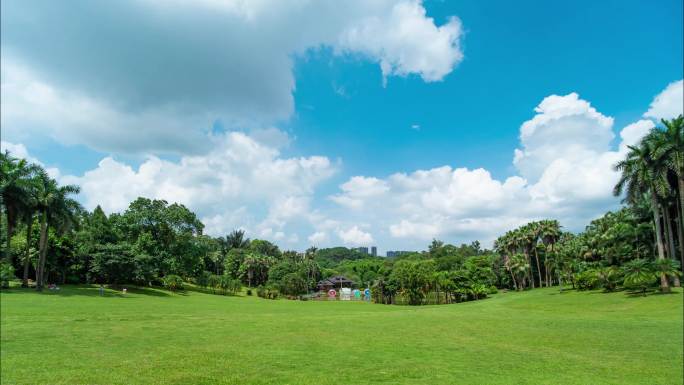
[153,337]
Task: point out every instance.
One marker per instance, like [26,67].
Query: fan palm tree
[642,174]
[55,209]
[520,267]
[550,232]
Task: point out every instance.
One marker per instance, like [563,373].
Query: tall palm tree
[15,177]
[550,232]
[668,149]
[55,209]
[642,174]
[29,211]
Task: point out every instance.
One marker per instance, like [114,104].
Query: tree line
[48,237]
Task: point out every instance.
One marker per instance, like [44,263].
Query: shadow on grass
[92,291]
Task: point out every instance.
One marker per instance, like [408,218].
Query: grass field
[154,337]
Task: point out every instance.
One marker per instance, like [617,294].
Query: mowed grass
[154,337]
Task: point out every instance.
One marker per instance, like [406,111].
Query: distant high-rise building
[374,251]
[363,250]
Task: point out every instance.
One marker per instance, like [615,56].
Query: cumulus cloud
[406,41]
[669,103]
[318,237]
[354,236]
[564,127]
[239,183]
[162,72]
[565,167]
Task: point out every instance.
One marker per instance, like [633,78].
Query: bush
[6,274]
[609,278]
[268,292]
[478,291]
[492,290]
[292,284]
[587,280]
[214,282]
[173,282]
[639,275]
[203,279]
[229,285]
[249,291]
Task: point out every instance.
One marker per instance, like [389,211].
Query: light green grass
[153,337]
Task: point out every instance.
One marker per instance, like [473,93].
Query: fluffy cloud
[354,236]
[162,72]
[565,127]
[669,103]
[239,183]
[407,42]
[565,167]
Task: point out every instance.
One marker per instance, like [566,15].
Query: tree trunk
[680,236]
[530,276]
[515,284]
[11,218]
[664,284]
[681,210]
[27,256]
[670,241]
[40,269]
[536,257]
[680,229]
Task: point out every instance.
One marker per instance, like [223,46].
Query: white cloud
[566,172]
[632,133]
[213,60]
[318,238]
[669,103]
[227,187]
[354,236]
[406,41]
[565,127]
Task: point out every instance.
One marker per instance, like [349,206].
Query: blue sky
[345,124]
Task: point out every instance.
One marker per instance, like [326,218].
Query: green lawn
[153,337]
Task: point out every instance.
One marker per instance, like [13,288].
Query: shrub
[492,290]
[478,291]
[268,292]
[229,285]
[587,280]
[292,284]
[203,279]
[639,275]
[173,282]
[6,274]
[249,291]
[608,278]
[214,282]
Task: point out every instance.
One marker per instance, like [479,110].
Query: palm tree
[550,232]
[15,177]
[29,211]
[638,274]
[642,174]
[519,267]
[668,149]
[55,209]
[667,267]
[236,240]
